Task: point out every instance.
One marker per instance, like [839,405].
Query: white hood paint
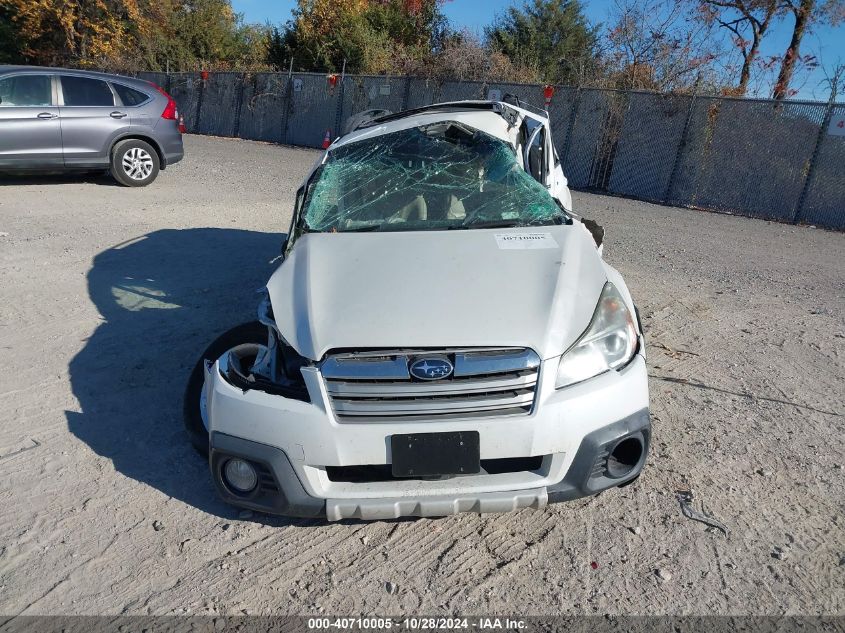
[436,289]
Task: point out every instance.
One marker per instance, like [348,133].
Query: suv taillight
[170,112]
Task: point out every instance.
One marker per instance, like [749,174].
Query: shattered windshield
[440,176]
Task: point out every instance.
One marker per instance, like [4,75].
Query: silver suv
[57,119]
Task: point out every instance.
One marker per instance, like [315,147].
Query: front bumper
[294,443]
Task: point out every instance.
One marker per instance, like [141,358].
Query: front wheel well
[162,161]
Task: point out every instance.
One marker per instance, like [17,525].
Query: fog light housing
[240,475]
[624,457]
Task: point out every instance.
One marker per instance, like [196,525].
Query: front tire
[134,163]
[252,332]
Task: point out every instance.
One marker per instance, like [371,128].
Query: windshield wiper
[505,224]
[389,227]
[492,224]
[363,229]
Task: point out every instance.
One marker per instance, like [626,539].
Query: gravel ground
[109,294]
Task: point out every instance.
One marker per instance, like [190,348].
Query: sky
[827,43]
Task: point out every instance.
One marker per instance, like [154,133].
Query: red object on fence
[332,81]
[204,75]
[548,93]
[327,139]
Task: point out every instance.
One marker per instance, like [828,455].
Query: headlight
[609,342]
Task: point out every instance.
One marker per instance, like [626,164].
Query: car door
[542,161]
[30,136]
[558,184]
[536,151]
[90,120]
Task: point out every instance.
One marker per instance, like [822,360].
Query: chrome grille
[377,386]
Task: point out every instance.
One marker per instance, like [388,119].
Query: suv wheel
[134,163]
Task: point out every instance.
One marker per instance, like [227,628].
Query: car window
[83,91]
[129,96]
[536,156]
[440,176]
[25,90]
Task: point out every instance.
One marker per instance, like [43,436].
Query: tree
[369,36]
[807,14]
[10,42]
[249,47]
[324,33]
[277,49]
[835,81]
[204,32]
[741,17]
[551,36]
[462,56]
[129,34]
[657,45]
[189,34]
[81,32]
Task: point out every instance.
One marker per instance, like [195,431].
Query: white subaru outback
[442,335]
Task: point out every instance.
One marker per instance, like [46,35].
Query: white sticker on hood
[524,241]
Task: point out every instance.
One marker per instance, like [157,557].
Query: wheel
[134,163]
[193,407]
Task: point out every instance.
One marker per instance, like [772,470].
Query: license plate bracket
[435,454]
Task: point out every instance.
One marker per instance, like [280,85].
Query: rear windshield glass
[435,177]
[129,96]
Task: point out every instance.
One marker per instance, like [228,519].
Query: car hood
[528,287]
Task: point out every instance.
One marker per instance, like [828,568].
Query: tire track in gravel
[277,554]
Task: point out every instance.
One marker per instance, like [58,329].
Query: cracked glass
[435,177]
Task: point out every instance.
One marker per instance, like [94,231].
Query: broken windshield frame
[507,113]
[439,176]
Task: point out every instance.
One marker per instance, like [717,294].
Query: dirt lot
[109,294]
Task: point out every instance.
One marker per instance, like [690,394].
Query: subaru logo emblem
[431,368]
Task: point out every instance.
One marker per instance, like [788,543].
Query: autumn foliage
[129,34]
[86,32]
[664,45]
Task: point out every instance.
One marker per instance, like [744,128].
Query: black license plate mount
[435,454]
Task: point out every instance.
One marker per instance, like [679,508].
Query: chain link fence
[781,161]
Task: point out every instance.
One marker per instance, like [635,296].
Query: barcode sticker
[525,241]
